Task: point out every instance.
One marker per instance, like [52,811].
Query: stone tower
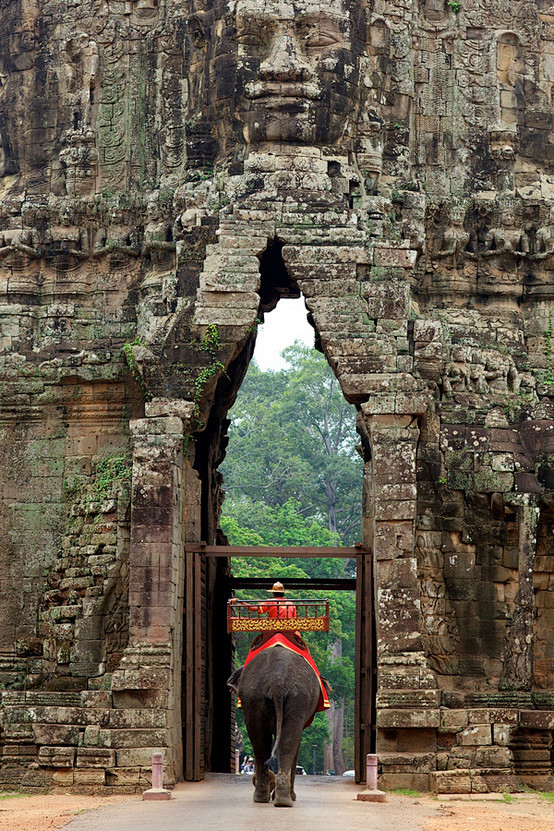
[169,169]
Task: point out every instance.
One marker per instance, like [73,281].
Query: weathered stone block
[450,781]
[94,757]
[537,720]
[136,756]
[411,699]
[137,738]
[394,257]
[408,718]
[397,574]
[51,734]
[405,781]
[56,757]
[493,757]
[478,734]
[503,734]
[407,762]
[63,778]
[454,718]
[89,776]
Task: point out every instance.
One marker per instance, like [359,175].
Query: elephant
[279,692]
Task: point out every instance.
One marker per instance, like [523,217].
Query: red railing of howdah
[278,615]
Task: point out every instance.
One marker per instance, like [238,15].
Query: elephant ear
[326,684]
[233,681]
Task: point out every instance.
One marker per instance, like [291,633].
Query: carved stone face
[507,218]
[22,49]
[298,69]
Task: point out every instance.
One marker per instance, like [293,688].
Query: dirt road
[224,803]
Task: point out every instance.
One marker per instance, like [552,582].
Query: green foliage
[292,436]
[200,384]
[316,734]
[406,792]
[107,474]
[455,6]
[210,344]
[132,364]
[201,175]
[279,525]
[514,404]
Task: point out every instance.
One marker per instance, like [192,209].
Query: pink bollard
[158,770]
[371,771]
[371,793]
[157,791]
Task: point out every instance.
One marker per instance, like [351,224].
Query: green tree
[292,436]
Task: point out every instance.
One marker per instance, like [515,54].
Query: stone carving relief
[544,240]
[509,61]
[119,239]
[143,12]
[455,239]
[19,238]
[508,238]
[79,161]
[435,10]
[300,72]
[79,77]
[23,49]
[112,114]
[65,241]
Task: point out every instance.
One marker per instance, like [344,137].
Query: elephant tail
[278,703]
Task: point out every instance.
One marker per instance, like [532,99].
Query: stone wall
[168,172]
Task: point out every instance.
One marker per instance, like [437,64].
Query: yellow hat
[277,587]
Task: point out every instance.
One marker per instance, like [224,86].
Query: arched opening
[210,746]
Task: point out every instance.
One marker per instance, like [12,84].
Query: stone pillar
[150,671]
[156,529]
[407,697]
[518,653]
[393,440]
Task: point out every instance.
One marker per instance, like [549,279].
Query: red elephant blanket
[279,639]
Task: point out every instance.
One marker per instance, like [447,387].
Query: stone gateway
[170,169]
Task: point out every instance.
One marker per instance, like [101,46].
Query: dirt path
[525,813]
[224,803]
[45,812]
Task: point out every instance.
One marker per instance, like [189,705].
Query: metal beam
[322,584]
[273,551]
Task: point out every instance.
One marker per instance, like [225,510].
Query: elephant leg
[292,777]
[293,725]
[263,778]
[283,797]
[262,783]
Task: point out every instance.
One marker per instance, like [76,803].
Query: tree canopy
[292,436]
